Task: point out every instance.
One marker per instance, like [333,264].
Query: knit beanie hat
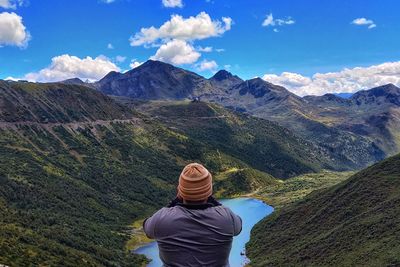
[195,183]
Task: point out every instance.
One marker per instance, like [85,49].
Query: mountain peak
[388,93]
[152,63]
[155,80]
[225,79]
[73,81]
[222,75]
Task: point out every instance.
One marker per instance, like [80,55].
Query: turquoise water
[250,210]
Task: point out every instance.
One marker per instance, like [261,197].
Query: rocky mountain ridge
[317,118]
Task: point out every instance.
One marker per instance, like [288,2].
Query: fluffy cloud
[12,30]
[177,52]
[364,22]
[192,28]
[270,21]
[10,4]
[135,63]
[172,3]
[345,81]
[110,46]
[66,66]
[207,65]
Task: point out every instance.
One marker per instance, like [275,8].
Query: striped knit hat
[195,183]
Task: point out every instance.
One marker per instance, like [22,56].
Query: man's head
[195,183]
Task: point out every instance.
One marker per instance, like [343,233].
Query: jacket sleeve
[237,224]
[150,225]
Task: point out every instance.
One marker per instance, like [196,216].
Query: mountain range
[359,130]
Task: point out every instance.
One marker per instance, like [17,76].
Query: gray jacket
[194,235]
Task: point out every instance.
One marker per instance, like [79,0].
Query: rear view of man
[195,229]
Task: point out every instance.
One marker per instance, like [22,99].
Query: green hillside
[259,143]
[77,168]
[355,223]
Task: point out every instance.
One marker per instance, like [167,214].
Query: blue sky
[301,38]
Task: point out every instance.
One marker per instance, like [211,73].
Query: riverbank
[296,188]
[138,237]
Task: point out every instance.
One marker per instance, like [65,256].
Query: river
[249,209]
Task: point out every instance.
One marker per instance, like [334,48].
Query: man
[195,229]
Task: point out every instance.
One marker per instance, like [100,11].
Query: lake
[250,210]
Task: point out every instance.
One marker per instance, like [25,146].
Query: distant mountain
[360,130]
[374,114]
[224,79]
[317,100]
[276,103]
[344,95]
[356,223]
[156,80]
[76,81]
[386,94]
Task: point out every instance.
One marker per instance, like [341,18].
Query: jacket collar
[211,202]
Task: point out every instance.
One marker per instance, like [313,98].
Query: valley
[78,166]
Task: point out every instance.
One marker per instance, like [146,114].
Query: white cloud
[120,59]
[65,67]
[345,81]
[13,31]
[219,50]
[110,46]
[270,21]
[108,1]
[10,78]
[364,22]
[204,65]
[135,63]
[172,3]
[206,49]
[177,52]
[192,28]
[10,4]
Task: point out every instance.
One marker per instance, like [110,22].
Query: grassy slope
[73,176]
[355,223]
[285,192]
[259,143]
[56,103]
